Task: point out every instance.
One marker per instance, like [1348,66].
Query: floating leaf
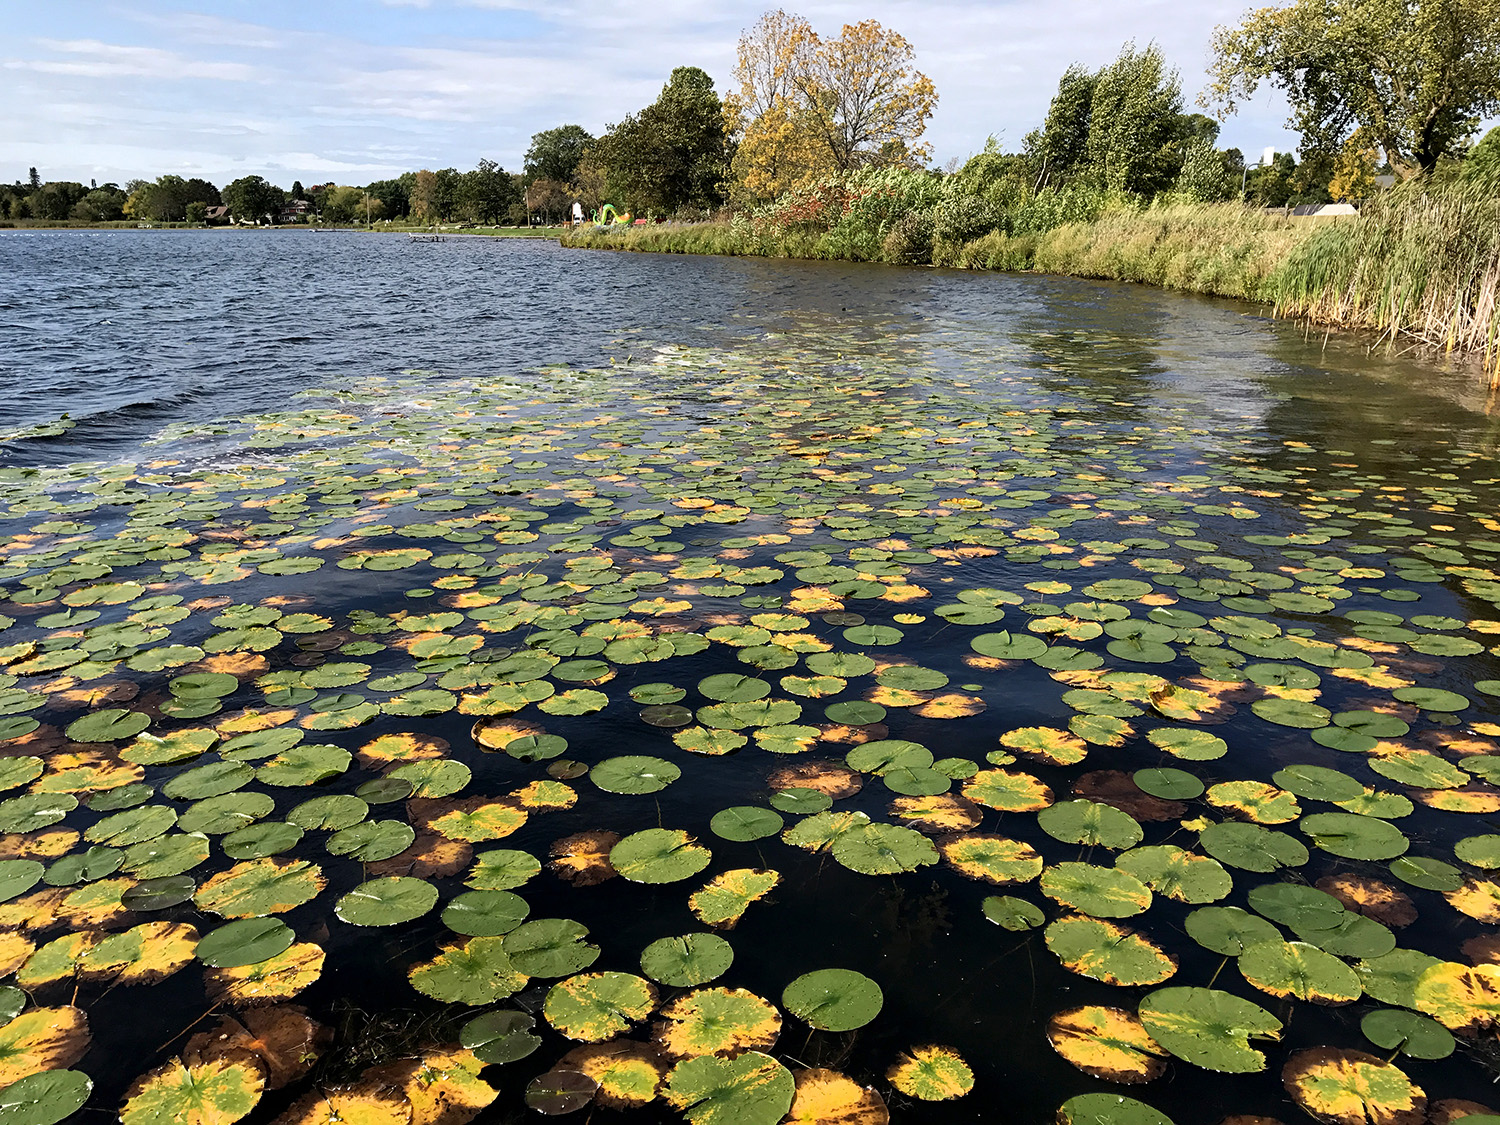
[1097,891]
[716,1021]
[658,855]
[475,972]
[931,1074]
[1208,1028]
[1110,1109]
[1351,1087]
[883,849]
[212,1093]
[723,900]
[687,961]
[549,947]
[593,1007]
[749,1089]
[833,999]
[992,859]
[387,901]
[1107,1043]
[40,1040]
[1109,953]
[1297,969]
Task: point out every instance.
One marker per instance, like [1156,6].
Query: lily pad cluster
[434,667]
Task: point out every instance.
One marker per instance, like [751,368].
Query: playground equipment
[607,216]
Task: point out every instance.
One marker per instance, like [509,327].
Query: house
[216,216]
[295,211]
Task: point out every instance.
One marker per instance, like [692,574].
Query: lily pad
[687,961]
[833,999]
[1208,1028]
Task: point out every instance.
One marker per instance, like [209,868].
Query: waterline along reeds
[1420,262]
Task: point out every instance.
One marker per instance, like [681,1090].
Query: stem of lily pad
[190,1026]
[1217,971]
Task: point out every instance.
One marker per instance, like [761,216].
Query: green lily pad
[44,1098]
[1100,892]
[883,849]
[1208,1028]
[749,1089]
[1011,913]
[1415,1036]
[833,999]
[387,901]
[634,774]
[658,855]
[1251,847]
[1090,823]
[743,823]
[1108,1109]
[248,941]
[1352,836]
[1168,783]
[687,961]
[500,1037]
[550,947]
[485,913]
[1228,929]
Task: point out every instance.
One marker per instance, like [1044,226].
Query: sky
[358,90]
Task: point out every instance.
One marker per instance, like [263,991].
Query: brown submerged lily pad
[284,1040]
[431,855]
[937,815]
[583,858]
[831,778]
[1370,897]
[1117,788]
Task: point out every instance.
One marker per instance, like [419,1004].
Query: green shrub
[967,217]
[910,241]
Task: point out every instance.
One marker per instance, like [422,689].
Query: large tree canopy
[554,153]
[674,153]
[1416,75]
[807,106]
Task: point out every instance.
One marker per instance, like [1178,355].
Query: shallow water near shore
[987,639]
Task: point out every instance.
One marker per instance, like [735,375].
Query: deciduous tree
[554,153]
[1417,75]
[807,106]
[672,154]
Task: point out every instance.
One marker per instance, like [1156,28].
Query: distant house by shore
[215,216]
[295,211]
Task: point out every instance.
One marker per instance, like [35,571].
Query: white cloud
[90,58]
[439,83]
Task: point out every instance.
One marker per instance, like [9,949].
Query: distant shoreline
[21,226]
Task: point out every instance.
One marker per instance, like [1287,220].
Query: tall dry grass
[1422,261]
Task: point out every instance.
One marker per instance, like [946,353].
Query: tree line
[1374,88]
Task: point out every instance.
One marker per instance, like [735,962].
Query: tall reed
[1422,261]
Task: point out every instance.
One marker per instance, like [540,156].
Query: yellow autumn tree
[1354,170]
[808,106]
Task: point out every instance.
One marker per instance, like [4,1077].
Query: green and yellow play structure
[607,216]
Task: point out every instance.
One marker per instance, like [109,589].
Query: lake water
[527,545]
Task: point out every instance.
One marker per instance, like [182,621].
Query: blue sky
[357,90]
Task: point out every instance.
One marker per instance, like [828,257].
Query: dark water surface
[258,413]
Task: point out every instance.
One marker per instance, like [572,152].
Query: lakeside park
[869,660]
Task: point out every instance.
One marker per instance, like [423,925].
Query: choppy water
[250,405]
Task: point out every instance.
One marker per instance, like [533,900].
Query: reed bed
[1422,262]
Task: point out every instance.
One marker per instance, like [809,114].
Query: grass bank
[1421,266]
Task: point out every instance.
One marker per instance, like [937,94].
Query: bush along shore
[1420,262]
